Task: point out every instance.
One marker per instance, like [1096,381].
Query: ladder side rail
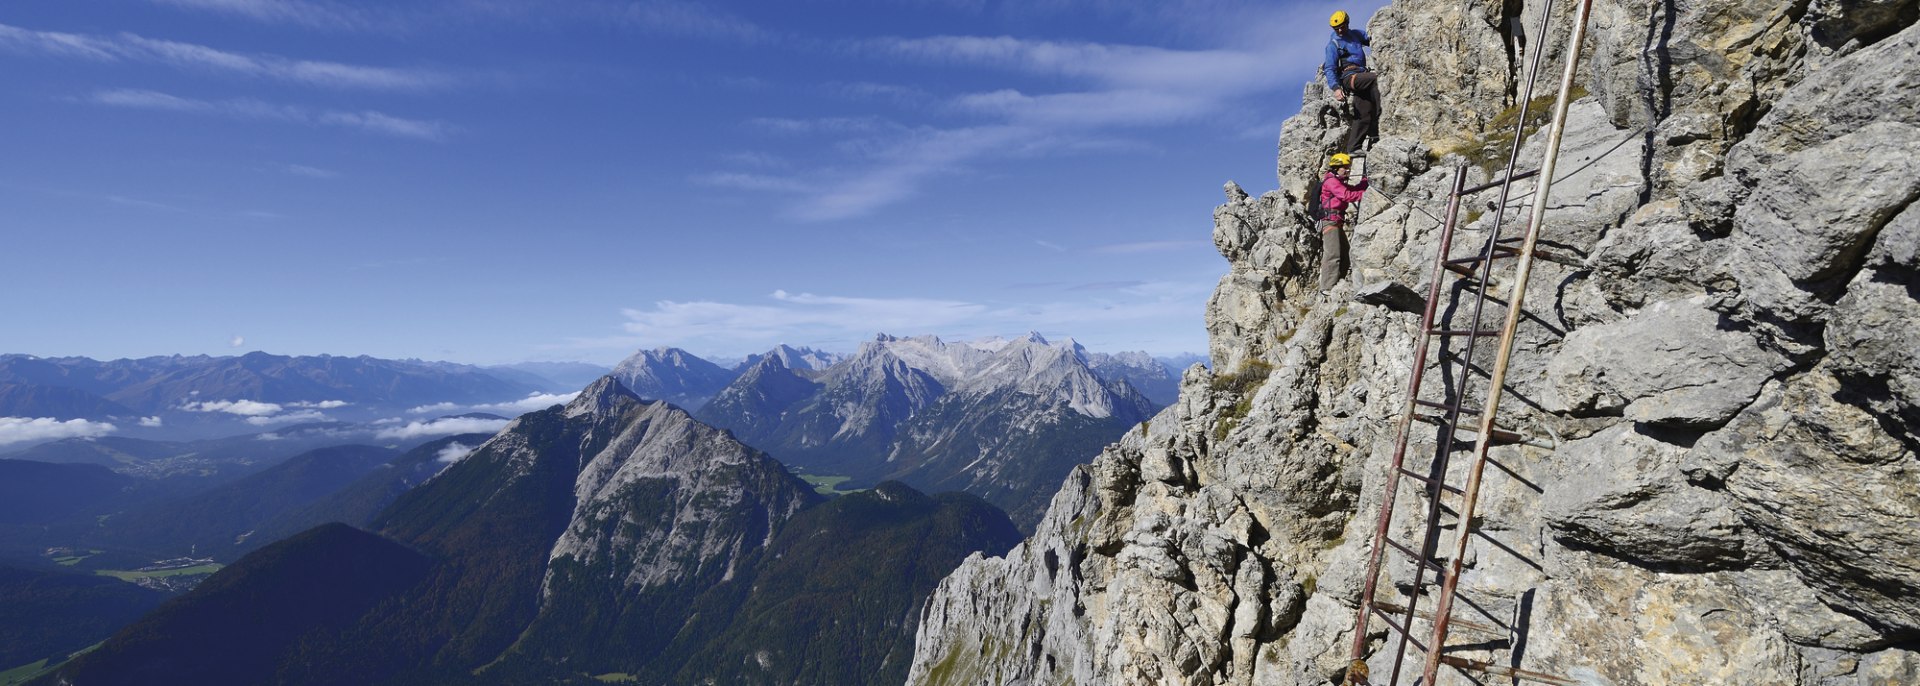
[1515,304]
[1443,451]
[1406,417]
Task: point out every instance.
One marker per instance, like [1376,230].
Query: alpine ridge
[998,418]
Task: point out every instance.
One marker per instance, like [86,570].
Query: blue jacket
[1353,46]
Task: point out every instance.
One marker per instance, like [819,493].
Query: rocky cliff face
[1727,376]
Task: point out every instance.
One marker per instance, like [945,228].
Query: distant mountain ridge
[95,389]
[1003,419]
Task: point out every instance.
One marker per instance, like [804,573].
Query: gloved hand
[1339,95]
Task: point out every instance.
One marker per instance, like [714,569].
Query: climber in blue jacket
[1347,73]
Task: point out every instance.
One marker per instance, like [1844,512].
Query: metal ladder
[1446,414]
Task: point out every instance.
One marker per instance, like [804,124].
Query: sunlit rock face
[1728,370]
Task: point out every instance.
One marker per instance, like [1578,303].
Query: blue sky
[496,181]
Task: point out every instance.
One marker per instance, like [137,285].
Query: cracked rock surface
[1723,370]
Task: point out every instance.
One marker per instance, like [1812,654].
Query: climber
[1347,72]
[1336,194]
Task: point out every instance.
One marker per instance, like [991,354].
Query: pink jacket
[1336,195]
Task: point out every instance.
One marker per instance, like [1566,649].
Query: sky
[498,181]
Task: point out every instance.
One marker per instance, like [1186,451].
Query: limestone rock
[1623,493]
[1719,372]
[1672,363]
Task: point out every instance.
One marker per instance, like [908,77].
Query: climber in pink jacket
[1335,195]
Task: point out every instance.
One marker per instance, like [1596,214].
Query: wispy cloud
[1152,247]
[52,43]
[299,416]
[1108,88]
[237,341]
[753,182]
[300,12]
[244,408]
[454,452]
[897,171]
[533,402]
[442,427]
[309,172]
[127,47]
[23,429]
[825,125]
[250,109]
[320,405]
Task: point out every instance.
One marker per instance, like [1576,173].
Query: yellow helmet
[1340,159]
[1339,19]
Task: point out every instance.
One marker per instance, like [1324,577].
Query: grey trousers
[1333,253]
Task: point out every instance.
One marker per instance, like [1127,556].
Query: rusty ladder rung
[1477,333]
[1456,621]
[1462,409]
[1442,485]
[1432,564]
[1391,624]
[1500,436]
[1482,667]
[1459,264]
[1496,183]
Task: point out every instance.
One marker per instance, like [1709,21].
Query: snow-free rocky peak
[673,375]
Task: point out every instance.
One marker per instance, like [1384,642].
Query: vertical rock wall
[1728,370]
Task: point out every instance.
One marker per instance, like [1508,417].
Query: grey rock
[1834,494]
[1627,497]
[1735,496]
[1672,363]
[1392,295]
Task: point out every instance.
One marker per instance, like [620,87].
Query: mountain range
[1004,419]
[161,384]
[612,537]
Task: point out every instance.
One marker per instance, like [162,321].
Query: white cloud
[309,172]
[237,342]
[243,108]
[442,427]
[1092,91]
[824,125]
[268,436]
[454,452]
[533,401]
[901,167]
[314,14]
[1152,247]
[150,422]
[127,47]
[15,39]
[21,429]
[753,182]
[244,408]
[322,405]
[301,416]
